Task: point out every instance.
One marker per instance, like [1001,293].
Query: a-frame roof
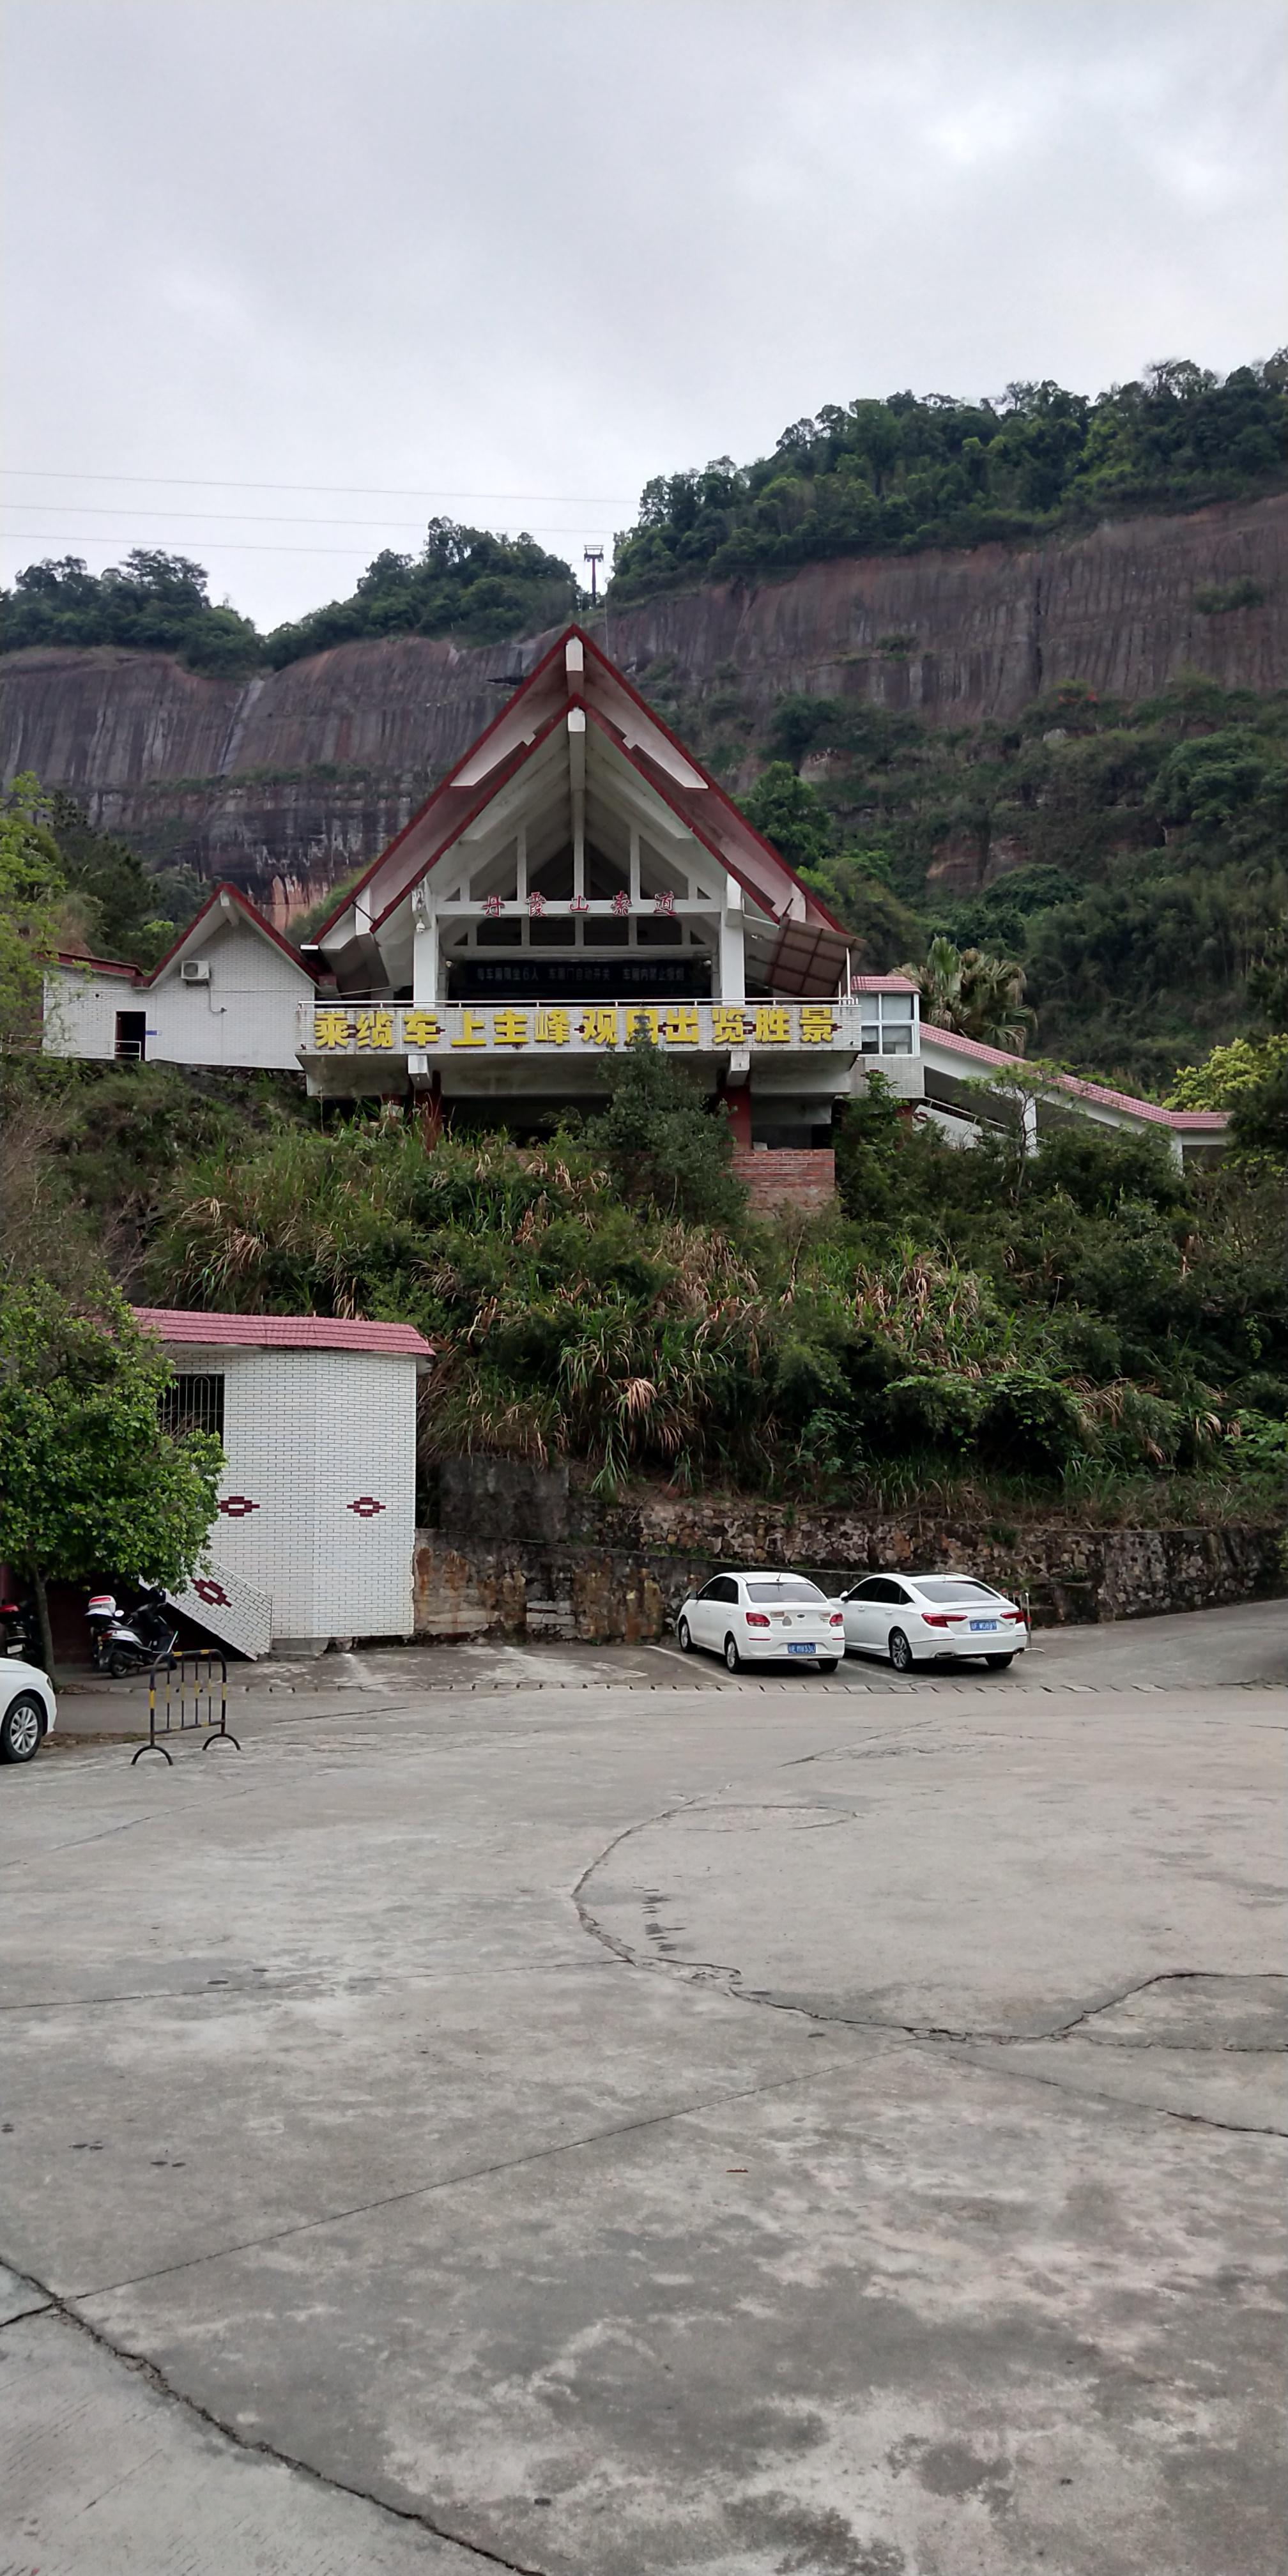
[630,764]
[234,907]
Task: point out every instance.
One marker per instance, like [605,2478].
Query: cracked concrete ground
[621,2121]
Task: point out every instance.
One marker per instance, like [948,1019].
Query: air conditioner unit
[195,970]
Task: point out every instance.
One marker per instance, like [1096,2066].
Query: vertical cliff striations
[288,781]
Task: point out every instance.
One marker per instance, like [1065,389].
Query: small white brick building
[317,1502]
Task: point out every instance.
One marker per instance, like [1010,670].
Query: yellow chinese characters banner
[578,1028]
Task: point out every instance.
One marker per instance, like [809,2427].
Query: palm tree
[977,995]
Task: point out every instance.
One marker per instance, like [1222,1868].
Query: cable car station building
[576,877]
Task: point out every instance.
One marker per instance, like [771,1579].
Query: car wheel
[998,1663]
[683,1639]
[21,1728]
[828,1665]
[733,1659]
[899,1651]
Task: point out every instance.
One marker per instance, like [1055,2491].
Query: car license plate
[801,1650]
[989,1624]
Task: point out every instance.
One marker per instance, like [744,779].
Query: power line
[370,491]
[241,518]
[225,545]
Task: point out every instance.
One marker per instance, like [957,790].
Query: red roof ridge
[251,912]
[188,1327]
[1150,1109]
[105,965]
[491,786]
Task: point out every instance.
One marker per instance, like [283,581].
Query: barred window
[194,1404]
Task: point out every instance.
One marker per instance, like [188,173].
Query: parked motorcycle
[130,1641]
[17,1629]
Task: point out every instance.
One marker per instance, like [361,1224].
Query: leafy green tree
[464,582]
[1229,1073]
[661,1143]
[791,815]
[130,913]
[33,908]
[89,1482]
[154,602]
[855,886]
[1268,977]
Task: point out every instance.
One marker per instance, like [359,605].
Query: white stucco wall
[81,1008]
[245,1016]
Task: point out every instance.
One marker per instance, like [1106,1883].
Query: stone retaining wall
[520,1551]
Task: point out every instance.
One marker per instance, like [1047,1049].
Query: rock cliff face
[290,780]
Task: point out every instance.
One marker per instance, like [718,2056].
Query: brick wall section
[777,1177]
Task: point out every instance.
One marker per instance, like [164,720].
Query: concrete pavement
[652,2122]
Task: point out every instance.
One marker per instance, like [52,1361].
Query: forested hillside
[863,479]
[876,477]
[1133,859]
[958,716]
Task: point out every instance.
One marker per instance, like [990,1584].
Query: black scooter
[129,1642]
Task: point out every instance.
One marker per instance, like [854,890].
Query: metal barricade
[187,1695]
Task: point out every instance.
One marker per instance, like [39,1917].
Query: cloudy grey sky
[507,258]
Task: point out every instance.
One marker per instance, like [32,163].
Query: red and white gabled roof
[235,908]
[1186,1122]
[181,1328]
[632,767]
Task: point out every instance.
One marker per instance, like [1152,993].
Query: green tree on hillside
[152,603]
[33,909]
[791,815]
[979,996]
[660,1142]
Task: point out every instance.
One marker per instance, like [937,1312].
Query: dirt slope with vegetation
[1089,1333]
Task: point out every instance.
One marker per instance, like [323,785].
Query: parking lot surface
[569,2110]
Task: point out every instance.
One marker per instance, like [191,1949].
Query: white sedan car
[913,1618]
[774,1618]
[27,1709]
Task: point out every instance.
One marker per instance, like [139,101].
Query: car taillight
[836,1619]
[943,1618]
[1016,1618]
[757,1619]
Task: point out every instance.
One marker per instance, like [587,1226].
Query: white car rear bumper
[997,1641]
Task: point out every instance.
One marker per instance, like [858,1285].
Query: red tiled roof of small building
[181,1326]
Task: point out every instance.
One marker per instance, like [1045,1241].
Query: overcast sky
[505,259]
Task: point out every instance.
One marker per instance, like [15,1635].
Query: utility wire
[225,545]
[239,518]
[369,491]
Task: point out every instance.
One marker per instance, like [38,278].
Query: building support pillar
[425,957]
[732,962]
